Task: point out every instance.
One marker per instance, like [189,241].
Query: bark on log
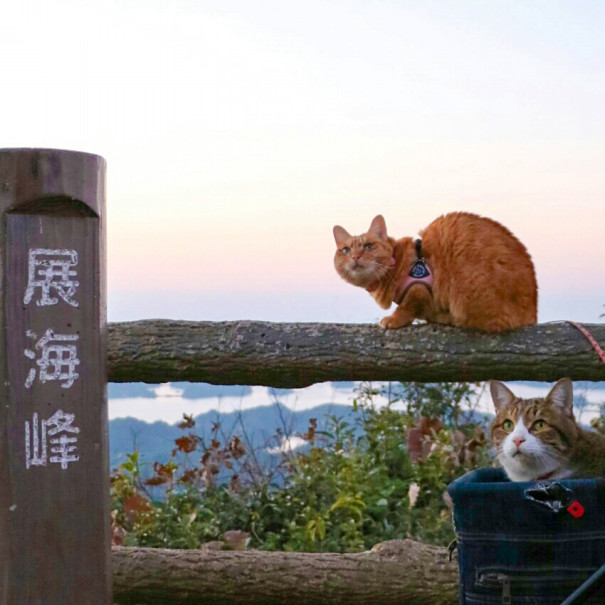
[297,355]
[398,571]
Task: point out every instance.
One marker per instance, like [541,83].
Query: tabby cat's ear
[561,395]
[501,394]
[378,227]
[340,235]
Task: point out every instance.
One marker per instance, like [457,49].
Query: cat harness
[420,273]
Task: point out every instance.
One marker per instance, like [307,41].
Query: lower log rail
[397,571]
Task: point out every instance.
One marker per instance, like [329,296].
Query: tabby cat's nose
[518,441]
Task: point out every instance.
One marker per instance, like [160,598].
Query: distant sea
[168,402]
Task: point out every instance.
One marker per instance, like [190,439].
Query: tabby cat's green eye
[508,425]
[346,250]
[368,246]
[538,425]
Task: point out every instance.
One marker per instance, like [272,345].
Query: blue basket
[529,542]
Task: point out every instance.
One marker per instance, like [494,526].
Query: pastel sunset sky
[238,132]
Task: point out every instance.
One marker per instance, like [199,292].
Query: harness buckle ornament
[419,269]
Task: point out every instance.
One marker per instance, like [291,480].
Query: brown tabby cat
[467,271]
[540,438]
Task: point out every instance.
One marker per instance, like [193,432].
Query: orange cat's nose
[518,441]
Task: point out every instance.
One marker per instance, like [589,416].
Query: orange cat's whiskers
[378,270]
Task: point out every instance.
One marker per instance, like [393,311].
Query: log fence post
[54,494]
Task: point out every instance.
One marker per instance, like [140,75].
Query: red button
[575,509]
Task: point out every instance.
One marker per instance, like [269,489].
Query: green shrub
[355,484]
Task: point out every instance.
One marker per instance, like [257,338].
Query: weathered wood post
[54,476]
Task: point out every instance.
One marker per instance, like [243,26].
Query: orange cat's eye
[508,425]
[346,250]
[368,246]
[538,425]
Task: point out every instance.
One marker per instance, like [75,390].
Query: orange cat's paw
[392,322]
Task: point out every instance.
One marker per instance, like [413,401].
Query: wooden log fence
[297,355]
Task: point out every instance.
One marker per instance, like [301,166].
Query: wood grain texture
[297,355]
[394,572]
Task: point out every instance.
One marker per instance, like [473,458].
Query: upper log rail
[300,354]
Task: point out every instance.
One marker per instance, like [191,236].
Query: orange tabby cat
[467,271]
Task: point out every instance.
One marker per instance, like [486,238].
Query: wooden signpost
[54,476]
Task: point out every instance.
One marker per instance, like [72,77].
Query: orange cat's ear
[501,394]
[341,235]
[561,395]
[378,227]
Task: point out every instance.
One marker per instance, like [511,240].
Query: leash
[591,339]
